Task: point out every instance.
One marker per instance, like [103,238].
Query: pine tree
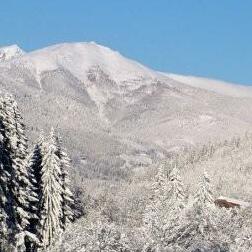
[158,186]
[16,188]
[6,172]
[153,219]
[204,195]
[176,193]
[67,196]
[199,217]
[3,214]
[49,163]
[158,190]
[35,167]
[203,226]
[4,197]
[50,209]
[162,213]
[174,204]
[17,148]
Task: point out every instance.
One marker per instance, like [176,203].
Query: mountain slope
[116,115]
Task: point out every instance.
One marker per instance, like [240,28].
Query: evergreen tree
[153,219]
[197,219]
[203,226]
[162,215]
[174,205]
[34,193]
[49,163]
[50,205]
[160,180]
[204,195]
[4,197]
[35,167]
[17,187]
[16,144]
[67,196]
[6,172]
[176,193]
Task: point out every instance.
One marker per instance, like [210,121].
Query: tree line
[36,203]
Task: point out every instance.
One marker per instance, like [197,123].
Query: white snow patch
[100,100]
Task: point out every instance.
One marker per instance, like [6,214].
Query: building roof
[233,202]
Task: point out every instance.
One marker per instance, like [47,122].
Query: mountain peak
[80,57]
[10,52]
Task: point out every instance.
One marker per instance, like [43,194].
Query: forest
[36,203]
[171,207]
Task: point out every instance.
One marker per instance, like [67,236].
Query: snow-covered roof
[236,201]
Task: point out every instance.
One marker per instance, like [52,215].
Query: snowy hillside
[114,114]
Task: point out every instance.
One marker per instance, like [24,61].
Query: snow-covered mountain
[115,114]
[10,52]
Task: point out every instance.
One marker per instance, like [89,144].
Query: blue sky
[197,37]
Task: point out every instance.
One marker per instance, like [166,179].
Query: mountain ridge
[95,48]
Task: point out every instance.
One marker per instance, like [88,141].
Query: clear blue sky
[210,38]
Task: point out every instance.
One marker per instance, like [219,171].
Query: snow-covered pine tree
[157,194]
[153,219]
[67,196]
[14,161]
[198,219]
[174,204]
[35,164]
[203,226]
[162,214]
[176,191]
[49,163]
[160,180]
[4,198]
[35,167]
[204,195]
[50,205]
[16,144]
[3,210]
